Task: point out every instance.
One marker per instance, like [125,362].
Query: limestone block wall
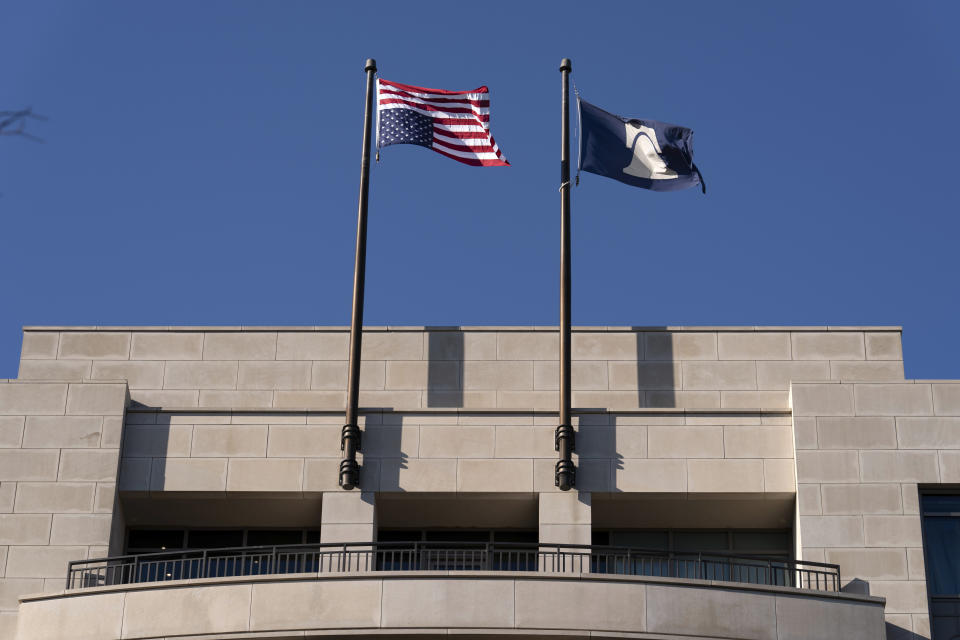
[862,451]
[471,367]
[240,411]
[59,449]
[696,451]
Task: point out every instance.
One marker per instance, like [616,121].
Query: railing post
[203,565]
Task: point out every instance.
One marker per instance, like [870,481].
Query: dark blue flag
[644,153]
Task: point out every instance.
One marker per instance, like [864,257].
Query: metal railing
[448,556]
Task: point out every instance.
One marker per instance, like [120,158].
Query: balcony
[433,589]
[448,556]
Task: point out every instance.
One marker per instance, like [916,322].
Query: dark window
[205,539]
[458,535]
[701,541]
[759,542]
[941,543]
[768,544]
[658,540]
[935,503]
[154,540]
[146,541]
[258,537]
[399,536]
[528,537]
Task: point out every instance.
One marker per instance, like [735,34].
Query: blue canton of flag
[643,153]
[402,126]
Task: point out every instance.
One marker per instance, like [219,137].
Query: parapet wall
[472,367]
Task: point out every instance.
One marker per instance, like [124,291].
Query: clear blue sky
[202,161]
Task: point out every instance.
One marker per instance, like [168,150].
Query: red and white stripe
[461,120]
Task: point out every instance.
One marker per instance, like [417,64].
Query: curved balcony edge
[438,603]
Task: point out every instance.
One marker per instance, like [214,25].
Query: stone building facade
[801,444]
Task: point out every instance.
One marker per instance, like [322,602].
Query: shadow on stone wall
[656,381]
[388,447]
[445,354]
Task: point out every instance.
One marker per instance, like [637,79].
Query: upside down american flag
[453,123]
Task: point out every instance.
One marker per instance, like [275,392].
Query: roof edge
[486,328]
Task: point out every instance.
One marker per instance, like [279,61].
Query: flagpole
[350,435]
[565,472]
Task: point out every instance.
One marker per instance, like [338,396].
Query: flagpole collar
[371,65]
[566,65]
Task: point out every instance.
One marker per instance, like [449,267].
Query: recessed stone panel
[44,432]
[710,613]
[758,441]
[341,604]
[188,474]
[856,433]
[97,399]
[650,476]
[603,346]
[852,499]
[884,346]
[95,345]
[685,442]
[229,441]
[711,376]
[680,346]
[321,345]
[589,606]
[92,617]
[54,497]
[206,610]
[928,433]
[166,346]
[946,399]
[32,399]
[39,344]
[759,345]
[838,345]
[200,375]
[725,476]
[273,375]
[269,474]
[893,399]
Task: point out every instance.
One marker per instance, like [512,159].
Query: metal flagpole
[350,435]
[565,472]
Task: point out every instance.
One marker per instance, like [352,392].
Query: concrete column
[565,518]
[349,516]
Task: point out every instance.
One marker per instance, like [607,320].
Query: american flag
[453,123]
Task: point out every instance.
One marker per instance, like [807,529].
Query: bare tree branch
[14,123]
